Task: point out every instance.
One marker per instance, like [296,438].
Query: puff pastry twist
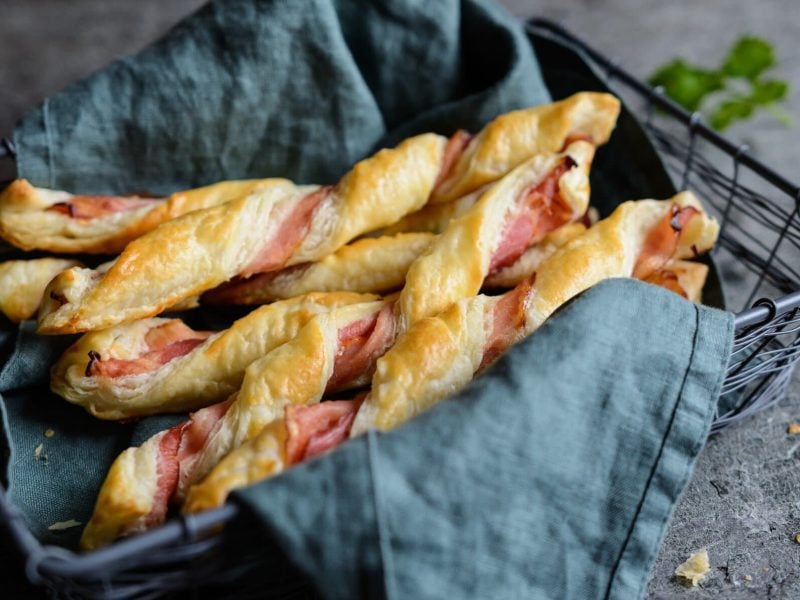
[536,198]
[157,366]
[333,351]
[371,265]
[34,218]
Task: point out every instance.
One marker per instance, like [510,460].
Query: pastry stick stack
[506,210]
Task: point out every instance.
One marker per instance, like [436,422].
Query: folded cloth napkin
[552,476]
[290,88]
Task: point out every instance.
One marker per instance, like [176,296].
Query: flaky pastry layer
[28,221]
[369,265]
[201,250]
[22,284]
[208,373]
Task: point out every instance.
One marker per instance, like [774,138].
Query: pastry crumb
[49,433]
[61,525]
[748,578]
[793,428]
[695,568]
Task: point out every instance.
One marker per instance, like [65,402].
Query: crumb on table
[695,568]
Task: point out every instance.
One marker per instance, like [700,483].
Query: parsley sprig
[739,86]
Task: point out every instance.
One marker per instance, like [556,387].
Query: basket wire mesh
[758,256]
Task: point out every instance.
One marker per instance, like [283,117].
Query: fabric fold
[552,475]
[300,89]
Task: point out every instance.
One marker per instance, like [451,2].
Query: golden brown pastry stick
[332,351]
[514,137]
[34,218]
[158,366]
[22,284]
[371,265]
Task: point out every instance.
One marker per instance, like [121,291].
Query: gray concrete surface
[743,502]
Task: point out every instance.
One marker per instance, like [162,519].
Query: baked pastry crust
[514,137]
[201,250]
[259,458]
[458,261]
[299,373]
[28,221]
[22,284]
[207,374]
[135,494]
[439,355]
[368,265]
[533,257]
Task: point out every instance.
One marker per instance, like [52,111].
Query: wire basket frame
[758,251]
[758,255]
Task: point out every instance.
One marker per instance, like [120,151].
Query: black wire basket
[757,256]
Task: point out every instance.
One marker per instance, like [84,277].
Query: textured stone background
[742,503]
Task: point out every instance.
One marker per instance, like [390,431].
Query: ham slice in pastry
[536,198]
[34,218]
[367,265]
[157,366]
[334,351]
[22,284]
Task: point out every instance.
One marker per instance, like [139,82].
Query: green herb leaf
[746,64]
[730,111]
[769,90]
[749,58]
[685,84]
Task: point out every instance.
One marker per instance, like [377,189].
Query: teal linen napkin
[290,88]
[552,476]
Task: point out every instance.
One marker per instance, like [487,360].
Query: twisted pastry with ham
[267,231]
[439,355]
[536,198]
[34,218]
[158,366]
[368,265]
[514,137]
[334,351]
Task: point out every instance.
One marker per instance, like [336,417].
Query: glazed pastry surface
[514,137]
[369,265]
[539,196]
[206,373]
[34,218]
[22,284]
[277,227]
